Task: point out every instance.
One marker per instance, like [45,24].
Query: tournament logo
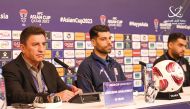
[103,19]
[175,12]
[4,16]
[16,44]
[40,18]
[156,24]
[115,22]
[5,34]
[76,20]
[23,16]
[57,53]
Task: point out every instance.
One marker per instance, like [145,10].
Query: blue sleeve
[84,80]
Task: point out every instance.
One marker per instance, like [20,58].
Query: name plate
[118,93]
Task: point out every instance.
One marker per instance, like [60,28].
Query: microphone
[81,98]
[142,63]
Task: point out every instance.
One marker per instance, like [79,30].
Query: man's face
[34,49]
[178,47]
[102,43]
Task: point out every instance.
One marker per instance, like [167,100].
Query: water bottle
[3,103]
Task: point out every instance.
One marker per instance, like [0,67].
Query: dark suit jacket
[20,87]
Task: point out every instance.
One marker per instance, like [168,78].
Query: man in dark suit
[29,75]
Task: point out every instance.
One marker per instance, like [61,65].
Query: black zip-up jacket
[90,74]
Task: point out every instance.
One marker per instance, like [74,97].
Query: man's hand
[76,90]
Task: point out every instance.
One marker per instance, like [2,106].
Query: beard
[176,55]
[103,51]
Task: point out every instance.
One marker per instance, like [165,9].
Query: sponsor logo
[185,27]
[128,45]
[57,53]
[129,76]
[76,20]
[88,52]
[16,53]
[115,22]
[5,34]
[57,35]
[79,36]
[68,44]
[127,37]
[165,45]
[136,45]
[145,59]
[152,52]
[151,45]
[136,68]
[159,52]
[48,44]
[89,45]
[136,60]
[119,37]
[57,44]
[128,68]
[120,60]
[138,24]
[152,59]
[16,44]
[128,52]
[60,71]
[56,64]
[48,35]
[4,16]
[152,38]
[70,62]
[128,60]
[137,75]
[47,54]
[78,61]
[187,52]
[112,54]
[136,37]
[16,34]
[87,36]
[79,45]
[144,38]
[136,52]
[103,19]
[68,36]
[119,45]
[137,83]
[112,37]
[40,18]
[119,53]
[3,62]
[69,53]
[23,16]
[159,45]
[144,52]
[175,12]
[79,53]
[5,55]
[5,44]
[144,45]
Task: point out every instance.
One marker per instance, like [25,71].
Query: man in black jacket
[176,47]
[29,76]
[99,67]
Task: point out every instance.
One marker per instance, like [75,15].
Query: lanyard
[102,70]
[37,85]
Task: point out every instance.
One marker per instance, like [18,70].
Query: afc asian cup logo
[103,19]
[23,16]
[156,24]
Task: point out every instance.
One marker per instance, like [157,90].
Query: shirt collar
[105,62]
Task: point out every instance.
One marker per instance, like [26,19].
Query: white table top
[138,103]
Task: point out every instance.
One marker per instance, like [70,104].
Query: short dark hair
[98,28]
[31,30]
[174,36]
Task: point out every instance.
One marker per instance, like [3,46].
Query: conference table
[138,103]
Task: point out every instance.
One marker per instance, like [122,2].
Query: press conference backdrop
[139,29]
